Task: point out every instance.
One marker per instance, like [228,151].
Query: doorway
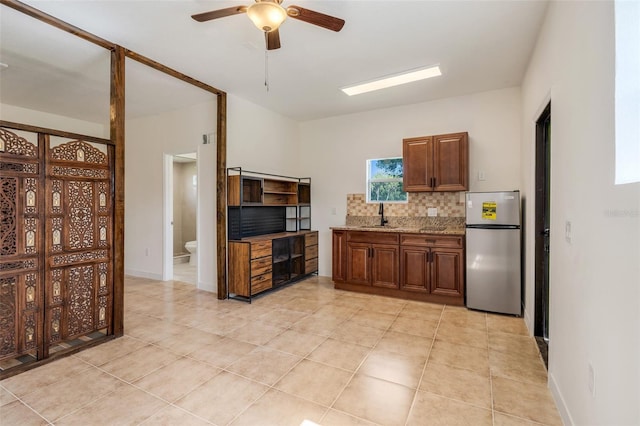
[185,218]
[542,230]
[199,179]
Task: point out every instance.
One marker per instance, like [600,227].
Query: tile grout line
[339,394]
[424,369]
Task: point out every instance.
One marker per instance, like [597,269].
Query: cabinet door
[359,263]
[339,256]
[384,271]
[446,272]
[417,168]
[450,162]
[414,269]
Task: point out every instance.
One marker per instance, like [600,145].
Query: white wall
[334,150]
[53,121]
[261,140]
[147,139]
[594,278]
[257,139]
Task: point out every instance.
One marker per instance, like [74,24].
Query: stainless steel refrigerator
[493,251]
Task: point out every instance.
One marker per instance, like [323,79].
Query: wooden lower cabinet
[339,256]
[446,272]
[259,264]
[419,266]
[372,259]
[414,264]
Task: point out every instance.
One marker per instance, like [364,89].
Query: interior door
[542,230]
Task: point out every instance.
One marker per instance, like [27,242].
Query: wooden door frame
[541,205]
[117,138]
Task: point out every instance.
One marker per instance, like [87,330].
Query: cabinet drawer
[261,283]
[311,239]
[310,252]
[260,266]
[260,249]
[431,240]
[372,237]
[311,266]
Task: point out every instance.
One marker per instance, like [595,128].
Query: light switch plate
[432,212]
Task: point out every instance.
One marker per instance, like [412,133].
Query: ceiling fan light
[267,16]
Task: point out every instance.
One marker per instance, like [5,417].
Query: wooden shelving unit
[273,210]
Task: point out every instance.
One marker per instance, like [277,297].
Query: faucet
[381,213]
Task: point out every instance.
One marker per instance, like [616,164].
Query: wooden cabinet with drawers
[250,267]
[311,252]
[262,263]
[432,264]
[428,267]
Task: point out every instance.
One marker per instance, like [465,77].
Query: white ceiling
[479,45]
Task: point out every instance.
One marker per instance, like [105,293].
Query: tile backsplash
[449,204]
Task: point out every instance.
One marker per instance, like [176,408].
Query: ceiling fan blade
[315,18]
[273,39]
[221,13]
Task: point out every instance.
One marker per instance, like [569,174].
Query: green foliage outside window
[384,180]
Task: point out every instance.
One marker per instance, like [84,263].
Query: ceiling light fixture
[267,15]
[394,80]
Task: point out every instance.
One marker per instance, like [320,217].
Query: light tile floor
[306,352]
[185,273]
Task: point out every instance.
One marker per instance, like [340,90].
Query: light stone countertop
[406,225]
[441,230]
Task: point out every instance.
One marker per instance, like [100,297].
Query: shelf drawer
[311,239]
[260,266]
[261,283]
[431,240]
[310,252]
[311,265]
[372,237]
[260,249]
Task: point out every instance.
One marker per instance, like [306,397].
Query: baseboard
[207,287]
[528,321]
[559,400]
[143,274]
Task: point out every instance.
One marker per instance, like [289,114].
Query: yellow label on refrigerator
[489,210]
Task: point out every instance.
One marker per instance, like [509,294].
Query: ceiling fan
[267,15]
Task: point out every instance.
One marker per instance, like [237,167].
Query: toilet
[191,247]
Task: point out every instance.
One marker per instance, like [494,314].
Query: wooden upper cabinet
[417,170]
[436,163]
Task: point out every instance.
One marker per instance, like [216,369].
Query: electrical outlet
[481,175]
[146,251]
[567,231]
[592,381]
[432,211]
[333,211]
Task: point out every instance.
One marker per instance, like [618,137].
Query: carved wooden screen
[78,233]
[20,245]
[56,268]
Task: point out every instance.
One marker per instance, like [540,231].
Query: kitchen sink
[377,226]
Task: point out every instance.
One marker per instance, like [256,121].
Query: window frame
[370,180]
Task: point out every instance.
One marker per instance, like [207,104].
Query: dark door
[542,208]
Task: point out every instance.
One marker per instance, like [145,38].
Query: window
[627,113]
[384,181]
